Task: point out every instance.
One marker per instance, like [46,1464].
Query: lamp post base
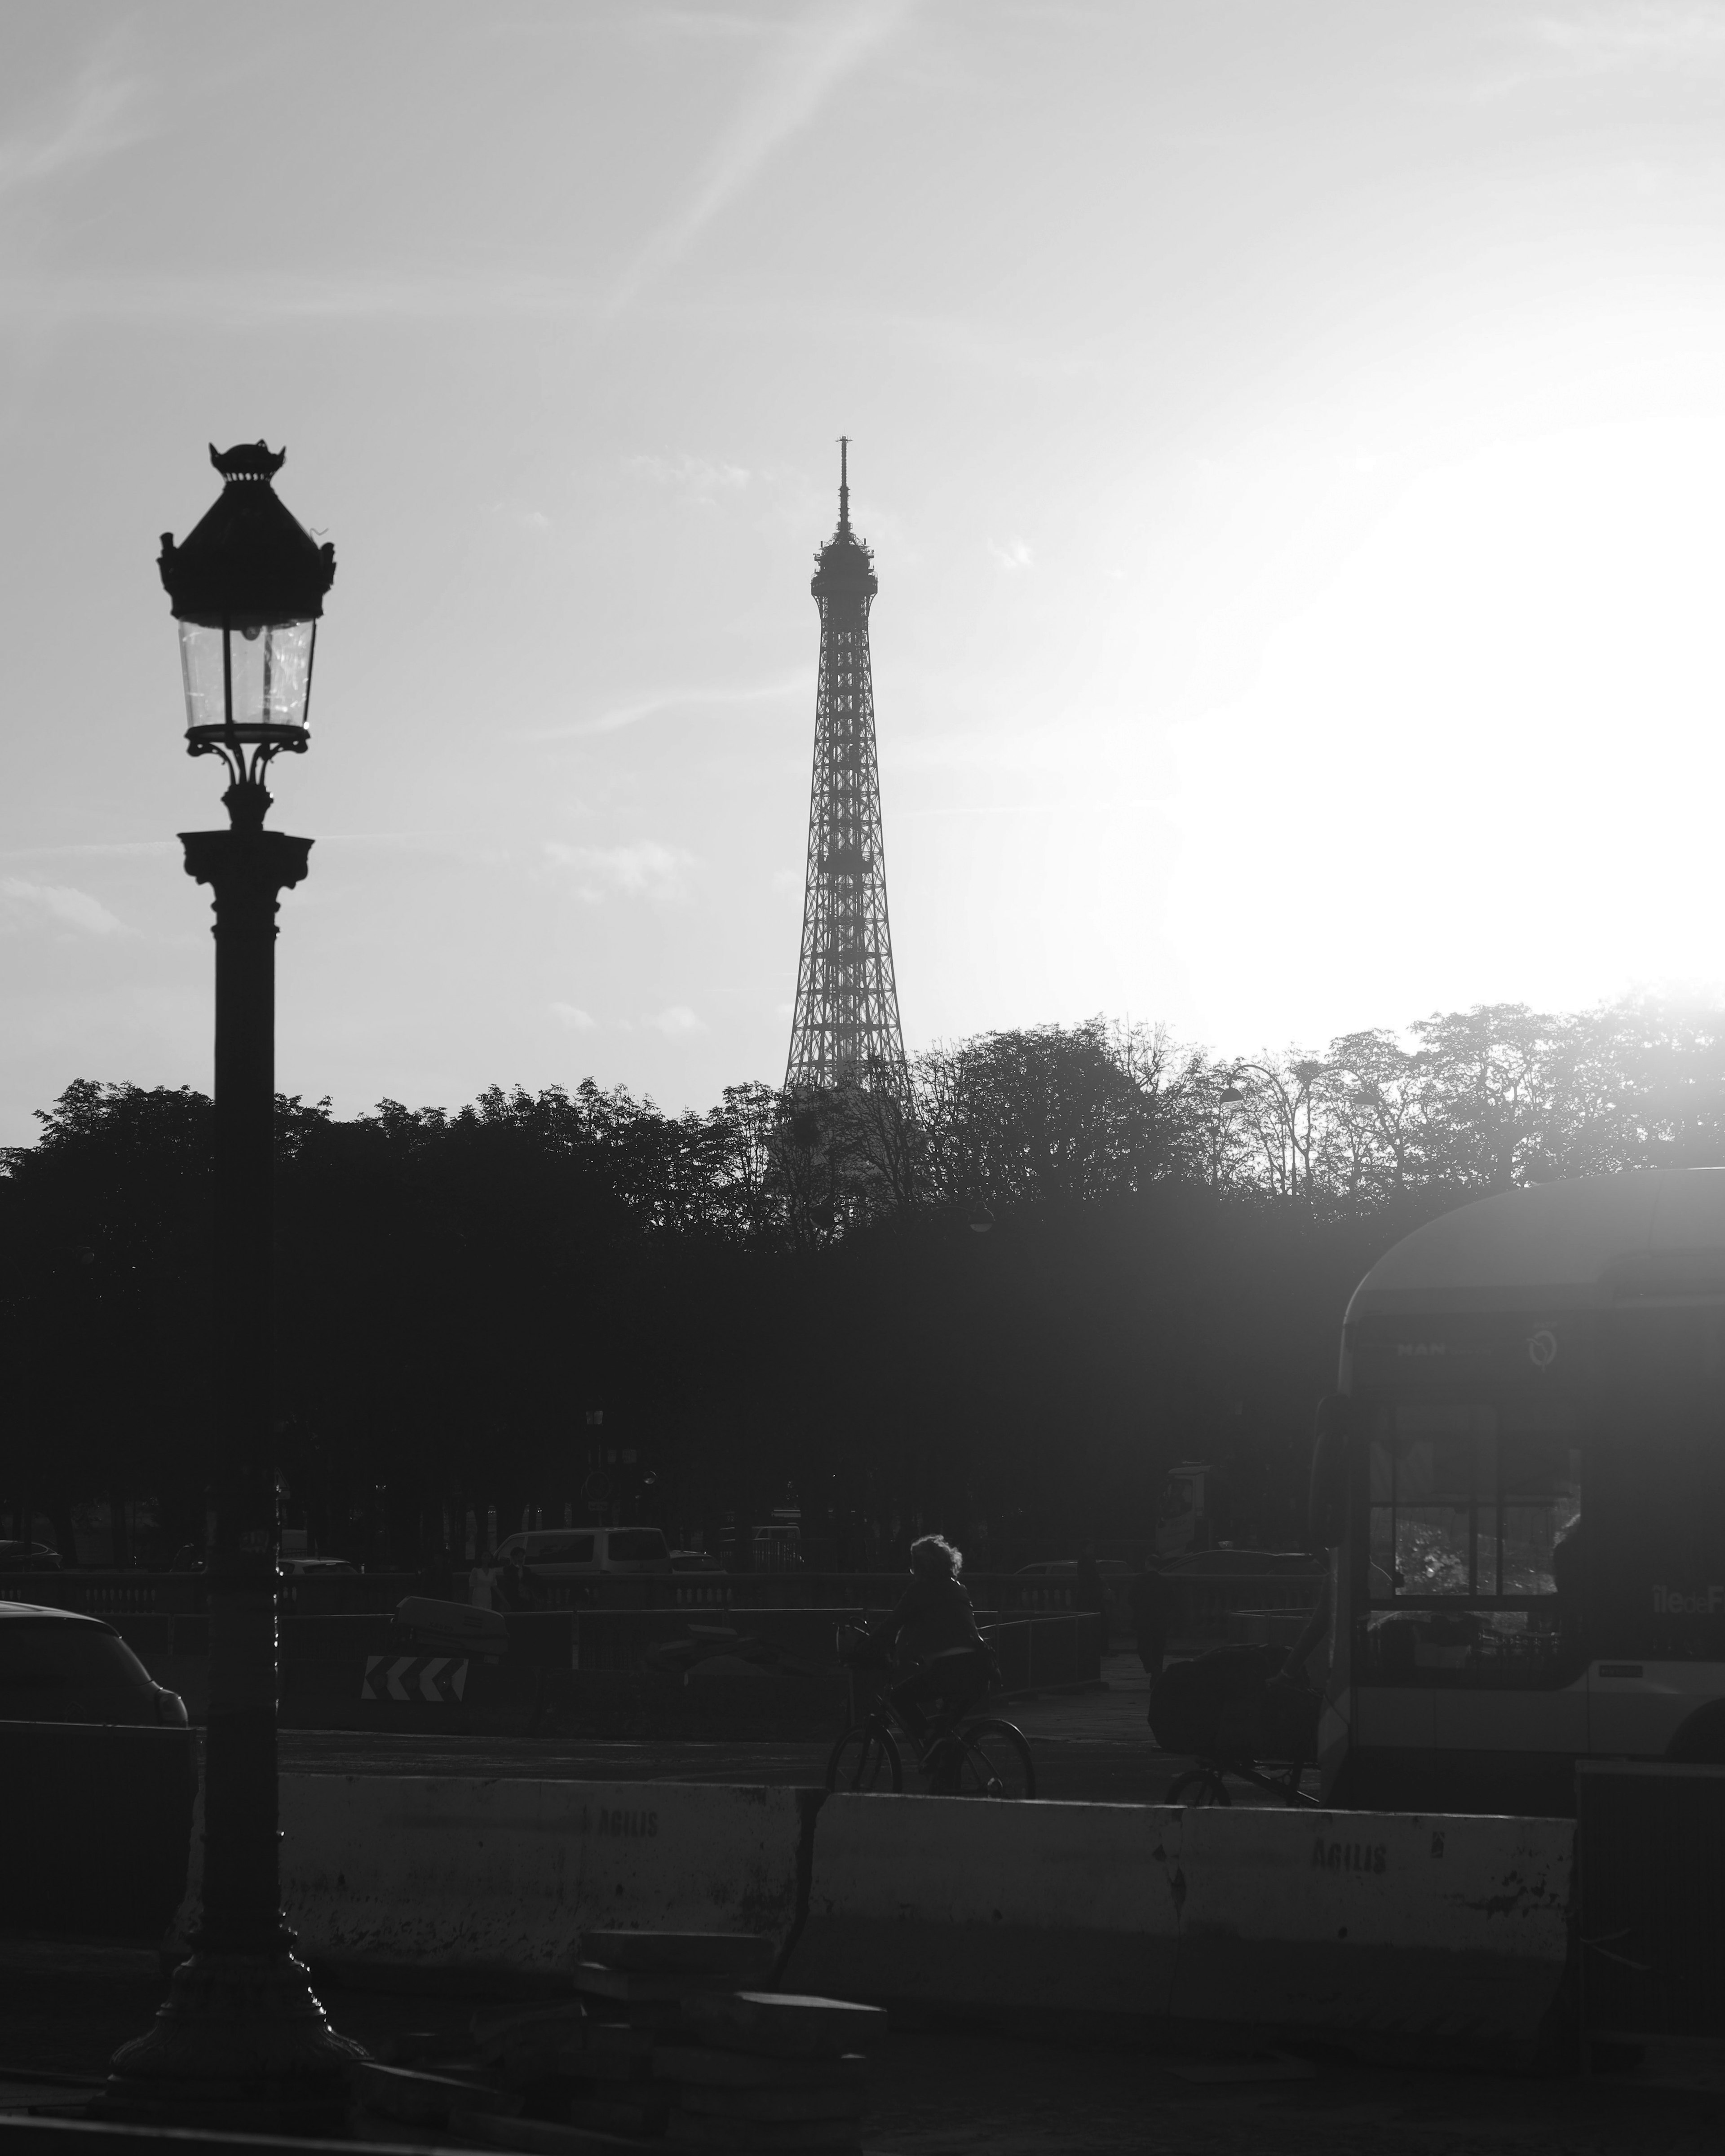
[240,2043]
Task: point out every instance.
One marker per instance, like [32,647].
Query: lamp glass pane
[201,663]
[271,674]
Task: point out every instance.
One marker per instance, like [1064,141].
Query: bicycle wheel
[1198,1785]
[865,1758]
[991,1759]
[1292,1794]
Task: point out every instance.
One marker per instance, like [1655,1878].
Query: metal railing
[1198,1604]
[109,1594]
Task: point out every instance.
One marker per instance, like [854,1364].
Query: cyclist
[933,1628]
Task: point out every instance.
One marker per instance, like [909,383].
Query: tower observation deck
[846,1027]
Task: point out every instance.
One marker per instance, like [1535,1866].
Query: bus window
[1469,1501]
[1466,1505]
[1540,1483]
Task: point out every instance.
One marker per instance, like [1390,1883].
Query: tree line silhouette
[1003,1307]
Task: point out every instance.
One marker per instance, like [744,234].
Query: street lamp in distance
[1228,1100]
[241,2042]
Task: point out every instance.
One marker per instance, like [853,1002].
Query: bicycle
[958,1755]
[1286,1708]
[1204,1784]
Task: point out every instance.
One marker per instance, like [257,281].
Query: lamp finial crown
[248,461]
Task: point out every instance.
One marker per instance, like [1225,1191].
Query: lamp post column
[247,869]
[240,2041]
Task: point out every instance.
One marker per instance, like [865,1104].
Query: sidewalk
[64,2009]
[984,2096]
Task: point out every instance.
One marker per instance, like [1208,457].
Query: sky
[1290,435]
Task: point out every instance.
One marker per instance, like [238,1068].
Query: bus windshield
[1474,1509]
[1525,1496]
[1469,1501]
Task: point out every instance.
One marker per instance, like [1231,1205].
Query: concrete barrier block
[1353,1924]
[324,1666]
[930,1901]
[505,1876]
[1438,1925]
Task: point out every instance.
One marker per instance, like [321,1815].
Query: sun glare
[1484,760]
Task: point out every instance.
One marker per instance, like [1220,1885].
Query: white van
[586,1553]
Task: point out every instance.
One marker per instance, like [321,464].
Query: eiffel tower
[845,1029]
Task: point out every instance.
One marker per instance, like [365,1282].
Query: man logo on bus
[1542,1348]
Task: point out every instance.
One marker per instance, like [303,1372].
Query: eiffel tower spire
[845,1026]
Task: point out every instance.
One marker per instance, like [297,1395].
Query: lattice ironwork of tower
[845,1028]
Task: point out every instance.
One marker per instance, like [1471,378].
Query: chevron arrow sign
[439,1679]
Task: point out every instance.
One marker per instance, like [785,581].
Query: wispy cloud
[1600,41]
[1015,554]
[61,903]
[1637,35]
[677,1023]
[704,22]
[239,301]
[104,112]
[807,62]
[669,700]
[572,1018]
[1090,805]
[645,869]
[697,477]
[104,847]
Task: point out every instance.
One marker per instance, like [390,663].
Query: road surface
[1092,1746]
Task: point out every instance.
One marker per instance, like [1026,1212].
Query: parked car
[190,1559]
[587,1553]
[28,1557]
[58,1665]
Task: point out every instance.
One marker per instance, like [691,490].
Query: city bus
[1522,1485]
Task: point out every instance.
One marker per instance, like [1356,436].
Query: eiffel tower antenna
[844,1029]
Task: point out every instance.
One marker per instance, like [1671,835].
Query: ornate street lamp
[241,2039]
[248,587]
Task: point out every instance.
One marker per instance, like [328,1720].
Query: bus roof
[1657,1232]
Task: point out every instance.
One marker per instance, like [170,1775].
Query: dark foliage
[1076,1260]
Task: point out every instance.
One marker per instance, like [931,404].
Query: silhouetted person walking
[1568,1576]
[1150,1615]
[515,1584]
[435,1575]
